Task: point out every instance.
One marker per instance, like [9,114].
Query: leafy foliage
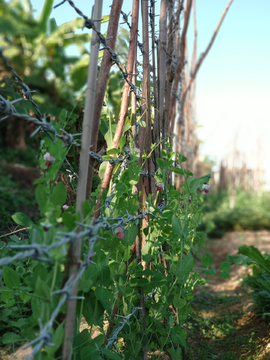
[251,212]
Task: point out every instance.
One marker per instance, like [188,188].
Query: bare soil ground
[226,303]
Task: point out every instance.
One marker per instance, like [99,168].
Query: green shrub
[260,284]
[251,212]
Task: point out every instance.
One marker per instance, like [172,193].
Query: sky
[233,83]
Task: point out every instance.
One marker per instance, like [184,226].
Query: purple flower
[119,232]
[65,207]
[90,258]
[137,150]
[160,186]
[206,187]
[49,159]
[46,226]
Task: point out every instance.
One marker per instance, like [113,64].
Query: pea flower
[49,159]
[206,187]
[119,231]
[65,207]
[160,186]
[137,150]
[93,254]
[46,226]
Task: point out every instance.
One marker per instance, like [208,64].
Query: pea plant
[112,275]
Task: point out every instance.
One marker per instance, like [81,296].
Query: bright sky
[233,83]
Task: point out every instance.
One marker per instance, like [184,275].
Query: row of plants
[251,211]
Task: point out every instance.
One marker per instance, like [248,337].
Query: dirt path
[227,328]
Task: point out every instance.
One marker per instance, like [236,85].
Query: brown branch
[203,55]
[75,250]
[102,84]
[124,103]
[180,63]
[162,61]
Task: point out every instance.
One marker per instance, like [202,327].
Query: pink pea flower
[160,186]
[65,207]
[49,159]
[90,258]
[119,232]
[46,226]
[206,187]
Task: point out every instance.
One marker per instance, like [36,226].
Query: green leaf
[113,151]
[178,303]
[93,311]
[225,267]
[110,355]
[122,142]
[187,172]
[105,18]
[86,207]
[68,220]
[177,170]
[10,337]
[183,268]
[59,194]
[176,226]
[209,272]
[6,295]
[57,339]
[194,184]
[103,295]
[182,158]
[42,289]
[255,254]
[41,197]
[11,278]
[90,353]
[207,260]
[22,219]
[25,297]
[162,163]
[224,275]
[45,14]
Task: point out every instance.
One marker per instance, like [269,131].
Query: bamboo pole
[103,77]
[180,63]
[124,103]
[162,61]
[83,169]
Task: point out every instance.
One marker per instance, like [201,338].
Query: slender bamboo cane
[162,61]
[124,103]
[169,69]
[102,84]
[81,191]
[180,63]
[145,140]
